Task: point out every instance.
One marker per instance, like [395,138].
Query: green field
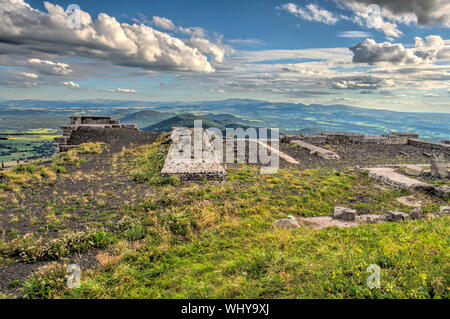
[26,146]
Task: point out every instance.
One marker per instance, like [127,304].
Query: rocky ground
[360,155]
[98,191]
[87,195]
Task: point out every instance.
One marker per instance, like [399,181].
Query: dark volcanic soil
[360,154]
[89,195]
[353,155]
[115,137]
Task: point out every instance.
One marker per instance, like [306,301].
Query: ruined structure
[323,153]
[76,122]
[192,157]
[357,138]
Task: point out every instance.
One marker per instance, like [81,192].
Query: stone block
[414,170]
[287,223]
[392,216]
[416,213]
[344,213]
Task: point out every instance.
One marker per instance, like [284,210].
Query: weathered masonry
[189,162]
[398,138]
[76,122]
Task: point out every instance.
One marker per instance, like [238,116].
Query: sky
[377,54]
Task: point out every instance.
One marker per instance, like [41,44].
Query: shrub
[46,283]
[29,249]
[132,229]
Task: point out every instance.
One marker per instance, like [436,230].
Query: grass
[248,258]
[35,172]
[147,162]
[217,240]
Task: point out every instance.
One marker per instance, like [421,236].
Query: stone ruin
[347,217]
[60,143]
[404,138]
[202,162]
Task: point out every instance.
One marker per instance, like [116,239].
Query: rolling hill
[146,117]
[187,120]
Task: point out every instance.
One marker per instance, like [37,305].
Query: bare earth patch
[319,222]
[410,201]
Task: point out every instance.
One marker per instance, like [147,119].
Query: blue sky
[293,51]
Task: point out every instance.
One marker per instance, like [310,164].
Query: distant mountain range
[291,118]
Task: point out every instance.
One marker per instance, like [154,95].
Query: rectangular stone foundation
[190,162]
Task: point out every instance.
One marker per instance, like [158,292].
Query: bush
[30,250]
[132,229]
[49,280]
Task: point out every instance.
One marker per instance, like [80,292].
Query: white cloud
[430,95]
[120,90]
[205,46]
[246,42]
[425,51]
[310,13]
[429,48]
[365,17]
[167,24]
[353,34]
[198,38]
[30,75]
[49,67]
[164,23]
[24,30]
[71,84]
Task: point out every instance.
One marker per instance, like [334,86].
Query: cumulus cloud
[24,29]
[164,23]
[429,48]
[205,46]
[371,52]
[12,79]
[425,51]
[310,13]
[49,67]
[71,84]
[167,24]
[30,75]
[198,38]
[424,12]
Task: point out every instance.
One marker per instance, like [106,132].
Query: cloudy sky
[368,53]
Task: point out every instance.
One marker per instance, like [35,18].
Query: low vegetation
[147,161]
[214,239]
[35,172]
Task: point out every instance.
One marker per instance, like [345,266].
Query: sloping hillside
[136,234]
[187,120]
[146,117]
